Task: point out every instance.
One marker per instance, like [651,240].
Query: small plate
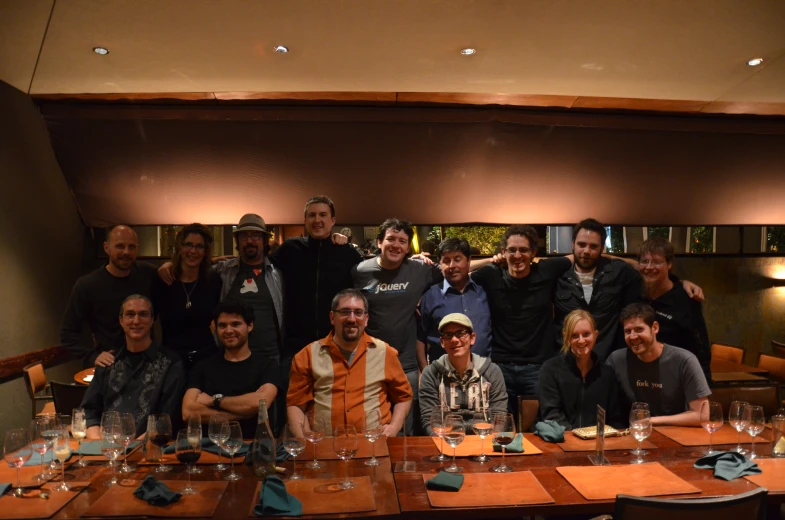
[87,378]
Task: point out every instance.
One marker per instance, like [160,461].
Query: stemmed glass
[41,435]
[218,435]
[503,435]
[160,434]
[233,442]
[639,452]
[711,420]
[481,423]
[187,453]
[736,419]
[62,450]
[640,426]
[108,420]
[62,420]
[439,427]
[756,423]
[372,430]
[17,451]
[345,445]
[315,427]
[194,429]
[293,445]
[454,437]
[110,445]
[79,432]
[126,434]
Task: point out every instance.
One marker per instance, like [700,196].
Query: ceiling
[674,55]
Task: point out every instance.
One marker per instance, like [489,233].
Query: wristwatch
[217,398]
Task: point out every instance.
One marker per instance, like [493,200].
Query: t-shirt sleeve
[554,267]
[695,385]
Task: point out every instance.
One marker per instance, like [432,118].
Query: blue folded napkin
[728,465]
[94,447]
[444,481]
[516,446]
[4,488]
[210,447]
[549,431]
[275,501]
[35,459]
[156,493]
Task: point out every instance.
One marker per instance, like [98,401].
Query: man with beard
[96,297]
[349,373]
[233,381]
[668,378]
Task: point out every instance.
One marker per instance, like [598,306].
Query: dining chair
[727,353]
[766,396]
[778,348]
[749,506]
[67,396]
[774,365]
[38,389]
[528,407]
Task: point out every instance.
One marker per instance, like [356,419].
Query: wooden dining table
[80,376]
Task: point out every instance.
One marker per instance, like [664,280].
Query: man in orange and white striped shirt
[348,374]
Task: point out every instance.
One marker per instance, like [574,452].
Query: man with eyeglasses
[349,373]
[145,378]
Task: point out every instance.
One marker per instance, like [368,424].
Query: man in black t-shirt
[233,381]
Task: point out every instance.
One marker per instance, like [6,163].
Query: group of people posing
[314,326]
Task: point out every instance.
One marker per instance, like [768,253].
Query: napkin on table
[444,481]
[549,431]
[728,465]
[275,501]
[156,493]
[516,446]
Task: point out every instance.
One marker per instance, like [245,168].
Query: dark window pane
[702,239]
[775,239]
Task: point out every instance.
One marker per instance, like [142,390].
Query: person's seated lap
[233,381]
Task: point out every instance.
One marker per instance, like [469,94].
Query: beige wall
[41,240]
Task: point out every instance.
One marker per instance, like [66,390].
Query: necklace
[188,294]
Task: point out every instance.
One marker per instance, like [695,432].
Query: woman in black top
[186,307]
[573,383]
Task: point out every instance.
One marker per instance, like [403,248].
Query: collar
[266,265]
[150,352]
[330,347]
[572,362]
[469,285]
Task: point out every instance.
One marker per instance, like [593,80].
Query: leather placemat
[687,436]
[33,506]
[492,489]
[773,476]
[205,458]
[119,500]
[75,456]
[324,449]
[625,442]
[27,475]
[640,480]
[471,446]
[322,496]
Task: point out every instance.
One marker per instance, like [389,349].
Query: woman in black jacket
[573,383]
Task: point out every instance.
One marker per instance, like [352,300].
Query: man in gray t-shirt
[668,378]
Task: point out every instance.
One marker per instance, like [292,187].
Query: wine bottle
[263,449]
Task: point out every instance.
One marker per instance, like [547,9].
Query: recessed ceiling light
[468,51]
[101,50]
[754,62]
[281,48]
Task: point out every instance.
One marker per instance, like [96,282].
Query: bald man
[96,297]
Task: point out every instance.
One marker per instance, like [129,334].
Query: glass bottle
[263,449]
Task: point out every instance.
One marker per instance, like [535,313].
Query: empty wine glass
[736,419]
[711,420]
[345,445]
[454,437]
[481,423]
[110,445]
[17,451]
[187,453]
[160,434]
[372,430]
[79,432]
[756,423]
[503,435]
[217,434]
[108,420]
[233,442]
[439,427]
[194,429]
[638,451]
[293,445]
[41,437]
[640,427]
[315,427]
[62,451]
[125,435]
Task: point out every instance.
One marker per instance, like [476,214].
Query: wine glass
[315,427]
[217,434]
[293,445]
[17,451]
[481,424]
[454,437]
[640,426]
[41,437]
[503,434]
[126,434]
[345,445]
[194,429]
[233,442]
[756,423]
[79,432]
[439,427]
[711,420]
[111,447]
[61,420]
[160,434]
[62,450]
[638,451]
[736,419]
[372,430]
[187,453]
[108,420]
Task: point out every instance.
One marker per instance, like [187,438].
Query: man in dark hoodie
[463,381]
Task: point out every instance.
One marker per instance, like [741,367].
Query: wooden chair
[67,396]
[528,406]
[766,396]
[38,388]
[750,506]
[727,353]
[777,348]
[774,365]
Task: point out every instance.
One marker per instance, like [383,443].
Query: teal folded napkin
[444,481]
[728,465]
[4,488]
[516,446]
[549,431]
[275,501]
[94,448]
[156,493]
[210,447]
[35,459]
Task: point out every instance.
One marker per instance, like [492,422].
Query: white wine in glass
[62,451]
[79,432]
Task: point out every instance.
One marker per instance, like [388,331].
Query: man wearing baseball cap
[465,382]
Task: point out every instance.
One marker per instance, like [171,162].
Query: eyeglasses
[130,315]
[460,334]
[522,250]
[189,246]
[344,313]
[647,263]
[255,237]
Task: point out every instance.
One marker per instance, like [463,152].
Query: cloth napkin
[516,446]
[444,481]
[156,493]
[94,448]
[4,488]
[728,465]
[210,447]
[275,501]
[549,431]
[35,459]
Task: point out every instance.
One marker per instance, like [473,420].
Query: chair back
[35,378]
[774,365]
[67,396]
[766,396]
[528,406]
[749,506]
[727,353]
[777,348]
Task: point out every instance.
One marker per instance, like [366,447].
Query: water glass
[481,424]
[217,433]
[640,427]
[711,419]
[372,430]
[234,441]
[439,427]
[293,445]
[454,437]
[756,423]
[17,451]
[315,427]
[736,419]
[778,436]
[345,444]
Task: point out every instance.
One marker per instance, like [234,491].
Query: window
[484,240]
[775,239]
[659,231]
[614,242]
[701,239]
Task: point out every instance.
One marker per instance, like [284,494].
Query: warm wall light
[103,51]
[282,49]
[468,51]
[754,62]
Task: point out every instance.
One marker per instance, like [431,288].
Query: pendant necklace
[188,294]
